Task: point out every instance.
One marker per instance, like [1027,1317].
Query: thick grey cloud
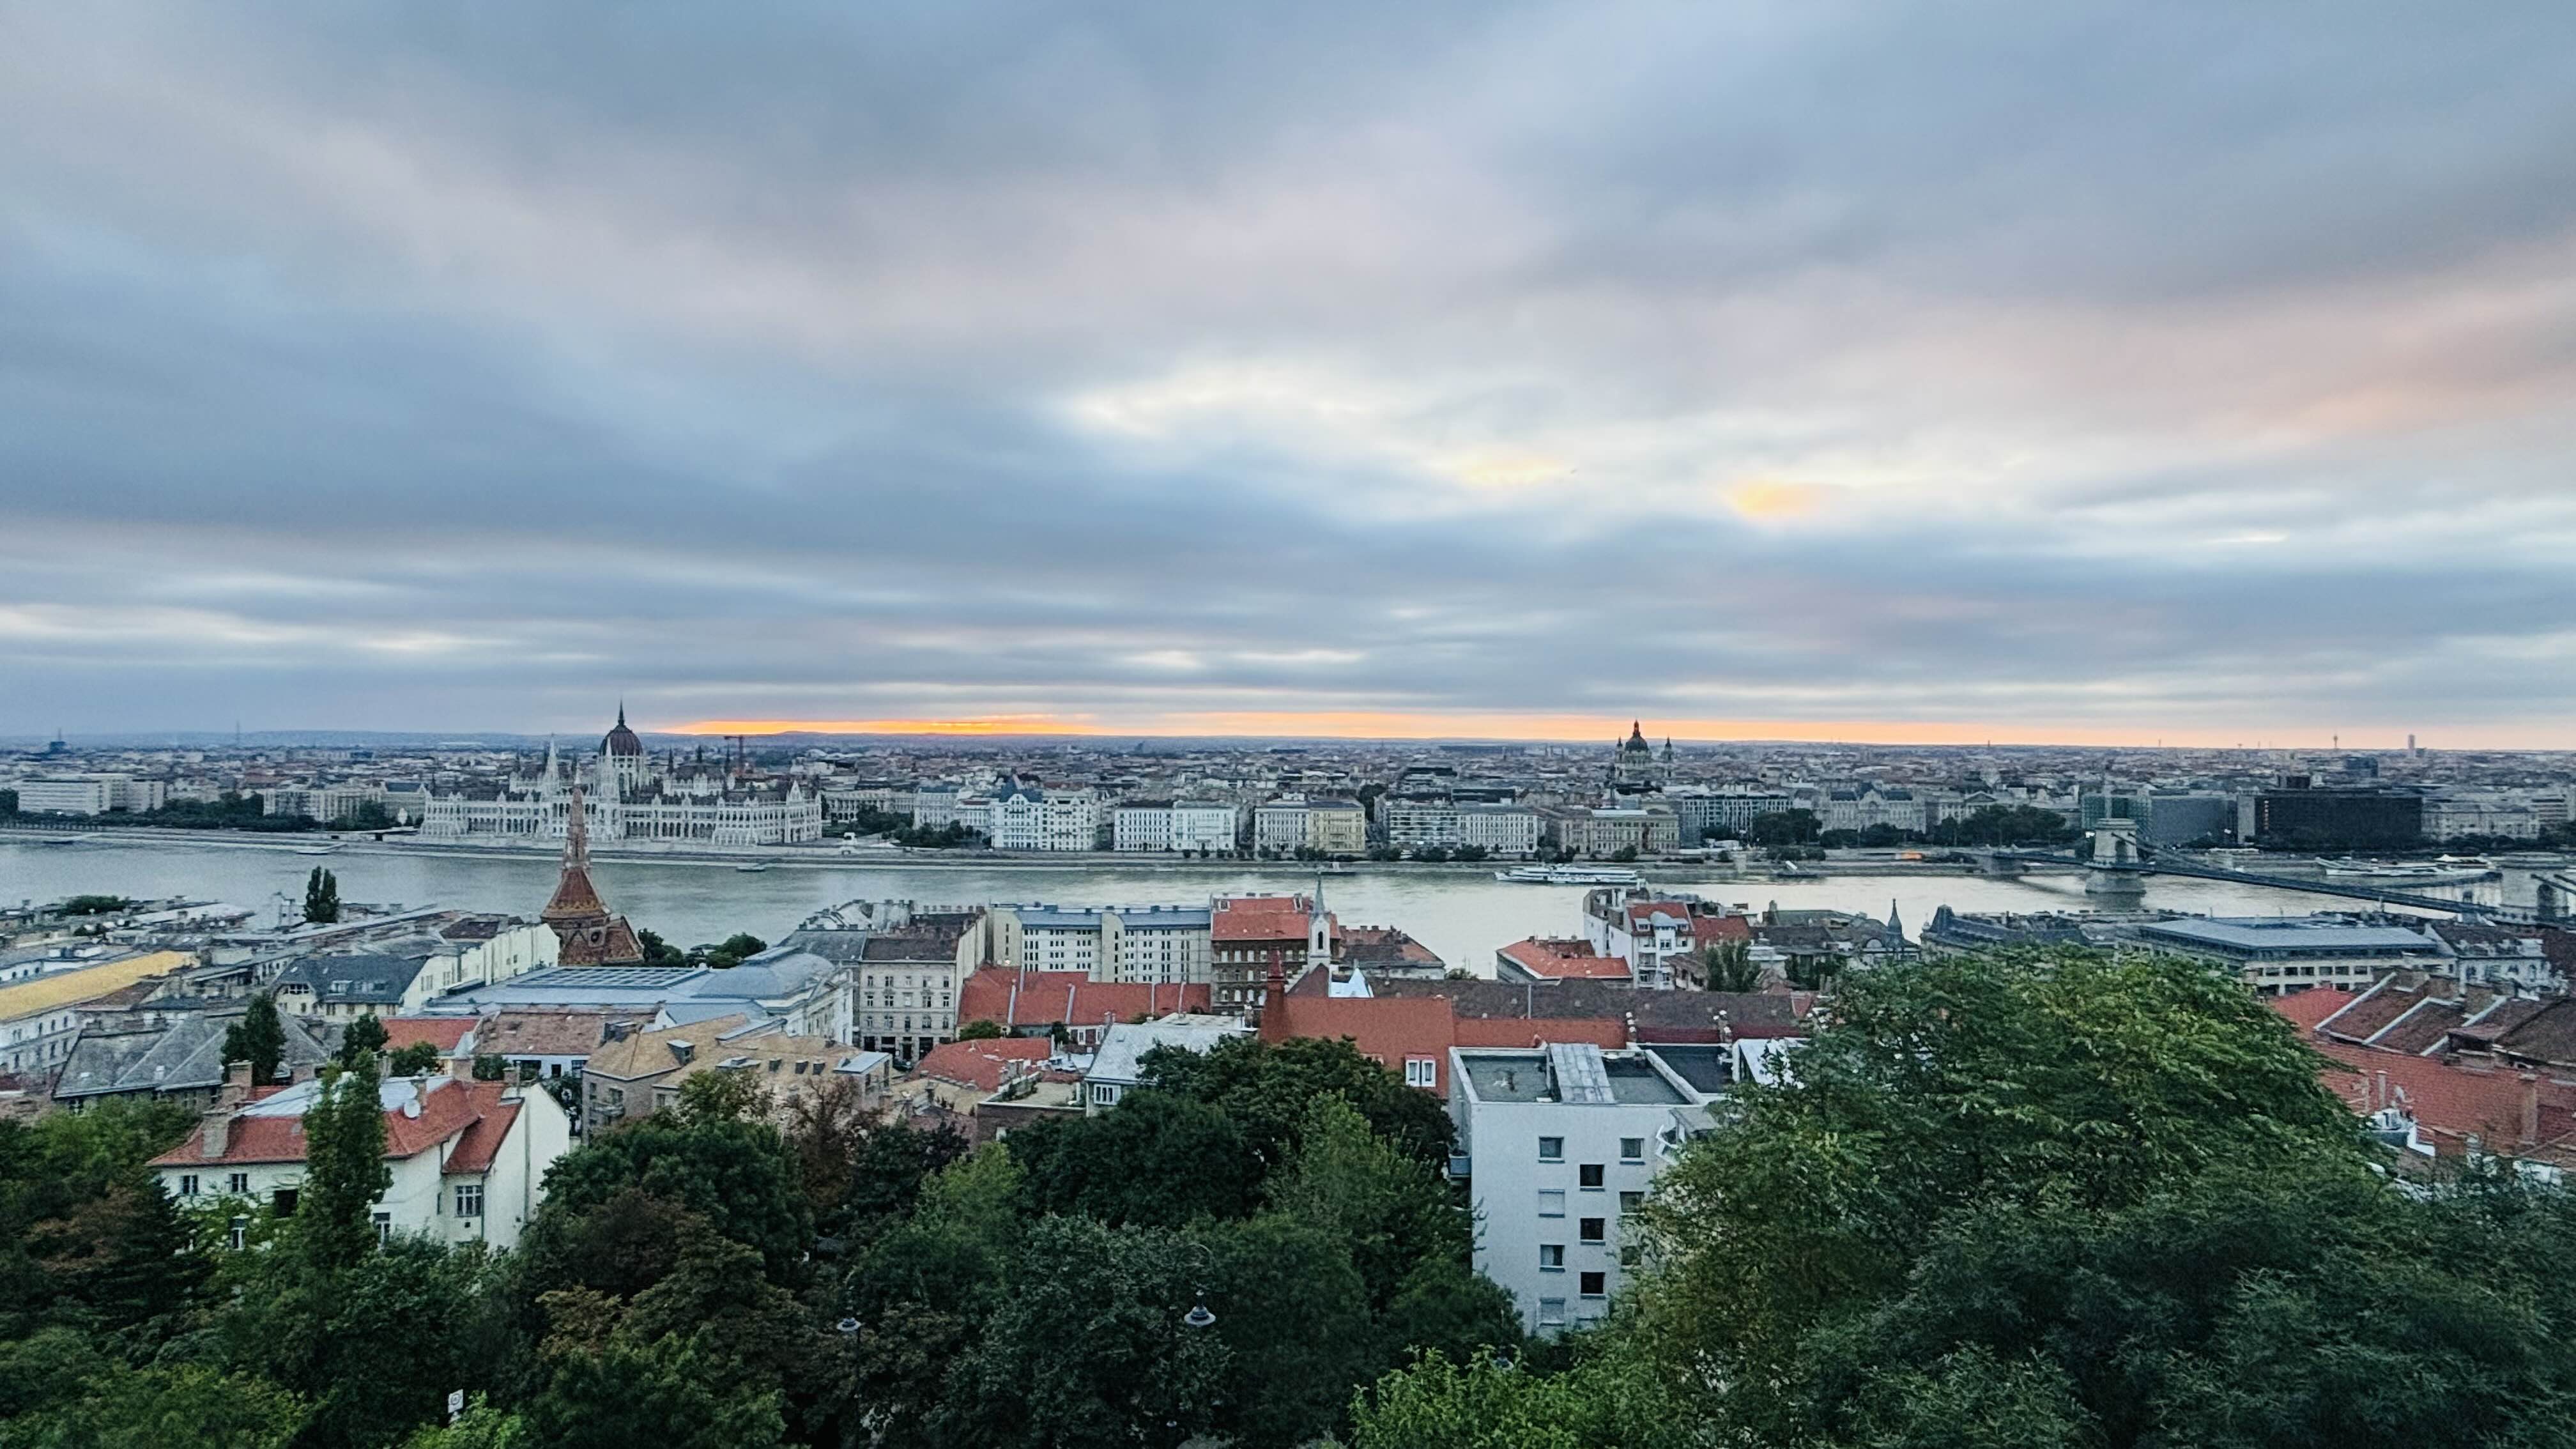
[2184,371]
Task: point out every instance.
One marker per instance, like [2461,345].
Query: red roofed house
[1035,1003]
[1251,936]
[1412,1035]
[2390,1060]
[1546,960]
[469,1159]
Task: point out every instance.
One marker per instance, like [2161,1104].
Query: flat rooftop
[1576,1074]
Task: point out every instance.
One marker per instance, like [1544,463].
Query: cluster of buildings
[1321,799]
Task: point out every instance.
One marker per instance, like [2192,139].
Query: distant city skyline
[1891,372]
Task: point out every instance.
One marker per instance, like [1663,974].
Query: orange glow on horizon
[1528,728]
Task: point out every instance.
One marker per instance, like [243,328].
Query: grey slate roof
[185,1056]
[374,979]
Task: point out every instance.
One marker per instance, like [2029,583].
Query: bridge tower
[2114,878]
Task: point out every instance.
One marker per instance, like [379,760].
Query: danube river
[1461,915]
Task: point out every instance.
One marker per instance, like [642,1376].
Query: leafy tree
[373,1345]
[1785,827]
[87,1238]
[8,803]
[1159,1158]
[1730,966]
[94,905]
[1958,1092]
[658,952]
[1609,1400]
[736,1174]
[981,1029]
[922,1290]
[728,953]
[321,897]
[1624,854]
[363,1037]
[344,1169]
[481,1426]
[2005,825]
[59,1391]
[490,1067]
[1294,1314]
[861,1172]
[419,1059]
[702,1357]
[259,1038]
[1268,1088]
[721,1096]
[1133,1373]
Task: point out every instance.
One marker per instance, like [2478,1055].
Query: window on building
[1632,1149]
[1631,1201]
[1551,1202]
[1589,1176]
[237,1183]
[384,1228]
[187,1184]
[237,1232]
[1551,1257]
[1551,1312]
[1421,1072]
[1594,1285]
[1551,1149]
[1630,1255]
[1591,1230]
[282,1202]
[469,1199]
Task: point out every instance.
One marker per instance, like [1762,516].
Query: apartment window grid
[469,1199]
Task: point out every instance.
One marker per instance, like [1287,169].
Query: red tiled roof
[1391,1029]
[484,1135]
[1710,929]
[2452,1102]
[980,1064]
[1564,960]
[1045,998]
[1506,1031]
[451,1108]
[1260,918]
[2307,1008]
[446,1033]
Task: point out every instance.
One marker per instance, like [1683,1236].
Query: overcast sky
[1958,371]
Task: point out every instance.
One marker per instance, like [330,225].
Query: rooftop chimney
[2530,1108]
[236,1087]
[218,1133]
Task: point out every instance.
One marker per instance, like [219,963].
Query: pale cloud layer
[2188,371]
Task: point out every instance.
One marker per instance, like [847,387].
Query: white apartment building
[1213,827]
[469,1159]
[1032,817]
[1701,810]
[325,803]
[1501,830]
[2455,817]
[90,794]
[1158,944]
[1186,825]
[1559,1145]
[1141,825]
[1293,822]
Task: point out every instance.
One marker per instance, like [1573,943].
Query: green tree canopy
[321,897]
[259,1038]
[363,1037]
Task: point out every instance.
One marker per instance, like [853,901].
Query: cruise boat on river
[1596,875]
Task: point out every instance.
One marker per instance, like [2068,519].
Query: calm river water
[1462,916]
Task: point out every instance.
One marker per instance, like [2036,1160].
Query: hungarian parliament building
[629,797]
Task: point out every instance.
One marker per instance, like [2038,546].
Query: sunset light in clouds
[1874,372]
